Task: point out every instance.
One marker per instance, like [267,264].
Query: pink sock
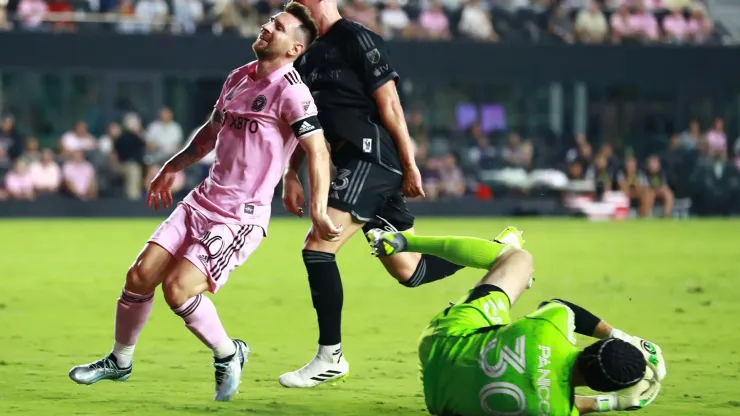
[131,315]
[201,318]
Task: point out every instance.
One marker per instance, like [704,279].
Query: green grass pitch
[675,283]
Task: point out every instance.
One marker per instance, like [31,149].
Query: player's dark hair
[308,26]
[611,364]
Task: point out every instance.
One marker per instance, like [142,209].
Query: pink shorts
[215,248]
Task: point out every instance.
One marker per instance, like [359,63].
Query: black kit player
[353,82]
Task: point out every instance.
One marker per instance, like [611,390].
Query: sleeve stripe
[302,118]
[293,77]
[303,136]
[365,40]
[379,83]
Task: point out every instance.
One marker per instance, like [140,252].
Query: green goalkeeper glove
[632,398]
[652,352]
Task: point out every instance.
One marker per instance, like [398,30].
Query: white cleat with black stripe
[326,366]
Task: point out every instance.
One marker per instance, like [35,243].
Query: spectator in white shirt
[18,182]
[77,140]
[475,22]
[45,174]
[105,142]
[591,26]
[150,15]
[187,15]
[79,177]
[394,20]
[163,137]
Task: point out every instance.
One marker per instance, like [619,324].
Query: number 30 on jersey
[509,358]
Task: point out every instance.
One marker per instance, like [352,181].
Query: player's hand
[412,184]
[639,395]
[653,355]
[293,199]
[160,189]
[325,228]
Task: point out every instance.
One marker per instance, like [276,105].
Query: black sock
[430,269]
[326,294]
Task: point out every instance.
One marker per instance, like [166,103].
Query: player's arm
[391,113]
[319,171]
[586,405]
[372,62]
[295,162]
[203,142]
[631,398]
[588,324]
[298,109]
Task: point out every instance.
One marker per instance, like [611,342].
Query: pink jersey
[262,123]
[676,26]
[620,24]
[80,175]
[646,24]
[18,183]
[717,140]
[435,22]
[700,29]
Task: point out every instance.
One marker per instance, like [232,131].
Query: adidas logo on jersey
[305,128]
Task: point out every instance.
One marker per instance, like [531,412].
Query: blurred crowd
[560,21]
[695,171]
[696,164]
[695,168]
[118,164]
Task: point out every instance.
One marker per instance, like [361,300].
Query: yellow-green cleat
[385,243]
[511,236]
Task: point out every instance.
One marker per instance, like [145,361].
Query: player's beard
[262,52]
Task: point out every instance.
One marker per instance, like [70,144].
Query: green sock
[465,251]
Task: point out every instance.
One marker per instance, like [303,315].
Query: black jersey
[343,68]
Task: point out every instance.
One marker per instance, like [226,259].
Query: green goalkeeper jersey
[520,368]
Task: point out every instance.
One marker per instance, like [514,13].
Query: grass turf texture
[674,283]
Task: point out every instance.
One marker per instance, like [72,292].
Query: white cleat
[324,368]
[229,372]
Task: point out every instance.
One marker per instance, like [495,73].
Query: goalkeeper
[476,361]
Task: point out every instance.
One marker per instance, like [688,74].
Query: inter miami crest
[259,103]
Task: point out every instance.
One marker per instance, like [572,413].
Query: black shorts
[372,194]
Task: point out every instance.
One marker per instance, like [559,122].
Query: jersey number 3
[509,359]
